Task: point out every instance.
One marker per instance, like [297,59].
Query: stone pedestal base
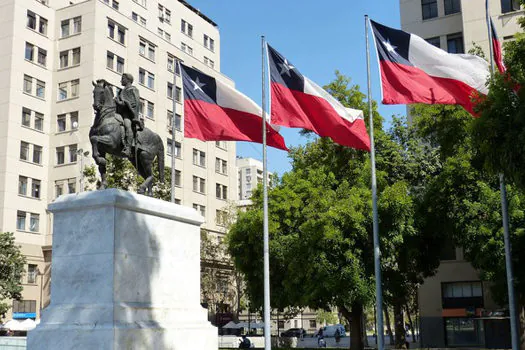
[125,275]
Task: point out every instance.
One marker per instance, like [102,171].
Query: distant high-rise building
[455,305]
[52,51]
[250,175]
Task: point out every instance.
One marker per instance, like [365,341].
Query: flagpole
[377,251]
[266,249]
[174,95]
[505,216]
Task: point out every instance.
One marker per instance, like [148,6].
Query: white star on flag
[197,85]
[286,67]
[389,47]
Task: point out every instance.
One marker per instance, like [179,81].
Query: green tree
[12,268]
[499,134]
[463,200]
[320,224]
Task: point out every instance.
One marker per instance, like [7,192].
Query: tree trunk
[354,319]
[399,324]
[388,327]
[363,329]
[411,324]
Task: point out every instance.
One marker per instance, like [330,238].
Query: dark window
[455,43]
[464,331]
[452,6]
[429,8]
[26,306]
[434,41]
[509,5]
[462,295]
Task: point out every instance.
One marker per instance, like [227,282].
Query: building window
[150,83]
[177,178]
[178,94]
[37,154]
[115,5]
[209,62]
[28,84]
[221,166]
[209,43]
[462,295]
[509,5]
[151,110]
[35,188]
[186,28]
[24,150]
[39,121]
[116,32]
[40,89]
[221,191]
[60,155]
[464,332]
[34,222]
[61,122]
[29,53]
[434,41]
[64,28]
[455,43]
[76,56]
[141,2]
[73,120]
[26,117]
[42,26]
[452,6]
[72,153]
[200,208]
[430,9]
[147,49]
[20,221]
[178,148]
[77,25]
[221,145]
[169,90]
[22,185]
[186,48]
[64,57]
[313,324]
[72,186]
[199,184]
[32,272]
[112,59]
[42,57]
[36,22]
[178,120]
[68,89]
[31,20]
[24,306]
[199,157]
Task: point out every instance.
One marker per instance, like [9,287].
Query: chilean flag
[496,48]
[298,102]
[415,71]
[214,111]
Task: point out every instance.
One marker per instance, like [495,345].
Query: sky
[317,37]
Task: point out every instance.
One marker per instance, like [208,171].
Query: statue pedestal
[125,275]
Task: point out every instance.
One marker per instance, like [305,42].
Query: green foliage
[463,201]
[320,221]
[499,134]
[121,174]
[12,268]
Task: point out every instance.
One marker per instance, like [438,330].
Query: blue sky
[318,37]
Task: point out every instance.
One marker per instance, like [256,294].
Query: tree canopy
[12,268]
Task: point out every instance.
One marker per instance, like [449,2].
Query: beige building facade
[52,52]
[456,308]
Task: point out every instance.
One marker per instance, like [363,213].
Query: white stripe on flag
[349,114]
[469,69]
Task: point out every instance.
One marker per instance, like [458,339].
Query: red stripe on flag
[498,58]
[296,109]
[210,122]
[407,84]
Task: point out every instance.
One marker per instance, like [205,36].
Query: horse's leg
[100,160]
[144,162]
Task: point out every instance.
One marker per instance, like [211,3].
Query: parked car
[294,332]
[329,331]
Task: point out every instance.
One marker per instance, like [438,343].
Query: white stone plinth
[125,275]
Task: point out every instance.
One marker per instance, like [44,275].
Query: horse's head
[102,95]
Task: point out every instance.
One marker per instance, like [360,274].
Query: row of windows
[36,23]
[32,119]
[23,186]
[69,58]
[35,54]
[22,223]
[429,8]
[35,87]
[70,27]
[454,43]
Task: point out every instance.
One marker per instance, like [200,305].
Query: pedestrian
[320,338]
[337,336]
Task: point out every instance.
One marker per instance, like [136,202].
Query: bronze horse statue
[106,135]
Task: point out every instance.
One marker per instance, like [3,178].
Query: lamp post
[82,154]
[41,274]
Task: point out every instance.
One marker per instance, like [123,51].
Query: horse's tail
[160,158]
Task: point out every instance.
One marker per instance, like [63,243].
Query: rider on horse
[128,101]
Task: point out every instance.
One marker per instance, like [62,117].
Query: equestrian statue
[118,130]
